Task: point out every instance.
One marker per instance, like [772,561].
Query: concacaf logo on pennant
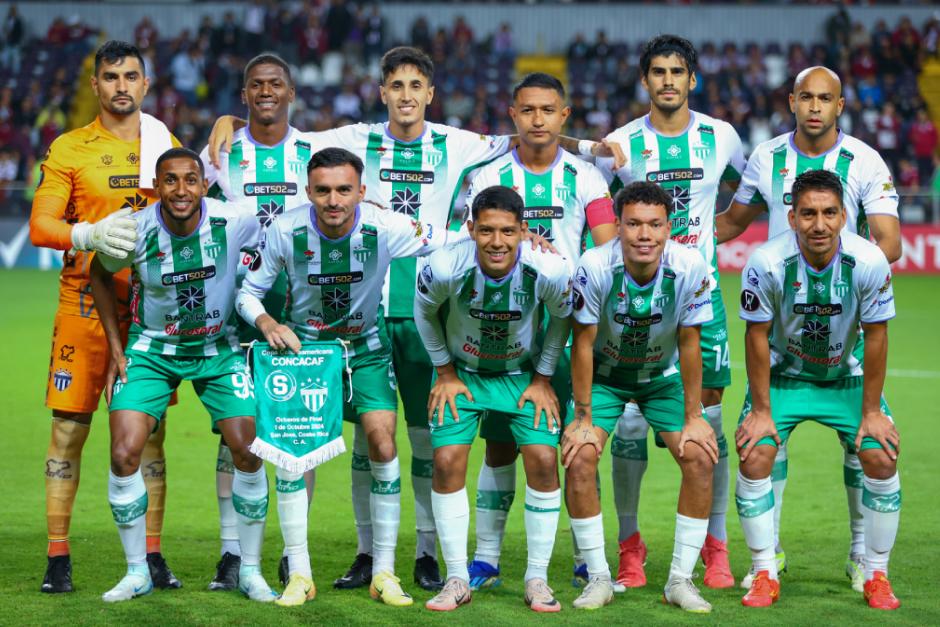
[299,422]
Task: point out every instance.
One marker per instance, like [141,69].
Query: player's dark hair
[181,153]
[666,45]
[541,80]
[334,158]
[642,192]
[268,58]
[498,197]
[816,181]
[113,51]
[406,55]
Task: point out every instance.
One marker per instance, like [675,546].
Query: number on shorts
[722,358]
[243,385]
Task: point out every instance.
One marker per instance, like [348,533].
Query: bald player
[871,205]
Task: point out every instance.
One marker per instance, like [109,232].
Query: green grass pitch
[815,528]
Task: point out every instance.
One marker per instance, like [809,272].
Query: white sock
[422,467]
[629,459]
[542,510]
[881,507]
[721,478]
[128,498]
[755,501]
[852,476]
[452,518]
[778,478]
[590,535]
[385,502]
[690,537]
[292,513]
[362,491]
[496,489]
[250,497]
[224,475]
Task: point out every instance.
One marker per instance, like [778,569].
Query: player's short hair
[816,181]
[540,80]
[406,55]
[181,153]
[334,158]
[113,50]
[642,192]
[666,45]
[268,58]
[498,197]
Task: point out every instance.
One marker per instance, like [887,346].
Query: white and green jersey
[183,288]
[774,164]
[690,166]
[816,314]
[491,325]
[335,285]
[638,325]
[555,200]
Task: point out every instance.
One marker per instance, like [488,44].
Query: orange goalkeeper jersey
[88,173]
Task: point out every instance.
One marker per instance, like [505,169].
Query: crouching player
[803,299]
[639,302]
[183,295]
[492,291]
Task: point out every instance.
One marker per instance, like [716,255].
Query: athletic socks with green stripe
[755,502]
[385,502]
[292,513]
[881,509]
[496,490]
[452,518]
[361,473]
[250,498]
[422,467]
[541,522]
[128,499]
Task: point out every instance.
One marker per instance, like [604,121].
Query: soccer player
[487,358]
[871,205]
[336,252]
[803,296]
[564,197]
[266,168]
[690,155]
[89,186]
[183,295]
[639,303]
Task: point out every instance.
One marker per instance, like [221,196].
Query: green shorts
[413,365]
[662,403]
[274,302]
[716,362]
[498,394]
[222,383]
[496,427]
[374,385]
[836,404]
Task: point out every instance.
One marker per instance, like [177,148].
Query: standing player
[689,154]
[871,205]
[491,292]
[639,304]
[183,295]
[564,197]
[803,297]
[89,174]
[336,252]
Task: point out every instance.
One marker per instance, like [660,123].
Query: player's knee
[125,459]
[79,417]
[583,468]
[759,462]
[541,468]
[382,449]
[695,462]
[876,464]
[243,459]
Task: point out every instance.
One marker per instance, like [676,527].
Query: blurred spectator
[421,34]
[187,68]
[313,41]
[924,140]
[12,33]
[373,34]
[338,23]
[458,108]
[347,102]
[145,33]
[254,25]
[227,38]
[462,31]
[907,175]
[9,166]
[502,42]
[888,135]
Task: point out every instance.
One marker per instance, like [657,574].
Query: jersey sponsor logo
[629,321]
[199,274]
[392,175]
[65,352]
[752,277]
[689,239]
[135,202]
[406,201]
[133,159]
[816,331]
[813,359]
[538,189]
[635,338]
[187,253]
[194,317]
[107,159]
[476,352]
[494,333]
[674,151]
[684,222]
[543,213]
[191,298]
[123,182]
[681,198]
[251,259]
[270,189]
[424,279]
[675,176]
[886,285]
[702,287]
[336,299]
[749,301]
[545,231]
[62,379]
[335,278]
[174,329]
[495,316]
[831,309]
[270,163]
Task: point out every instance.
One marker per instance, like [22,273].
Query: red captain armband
[600,211]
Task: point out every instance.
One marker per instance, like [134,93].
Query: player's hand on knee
[577,435]
[878,426]
[755,426]
[445,391]
[282,337]
[541,394]
[701,433]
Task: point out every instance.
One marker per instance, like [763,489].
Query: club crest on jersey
[62,379]
[841,288]
[270,163]
[674,151]
[522,296]
[662,300]
[433,156]
[563,192]
[313,394]
[362,254]
[213,248]
[701,151]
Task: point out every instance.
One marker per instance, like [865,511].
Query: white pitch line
[892,372]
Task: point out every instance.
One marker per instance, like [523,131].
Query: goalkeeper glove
[114,235]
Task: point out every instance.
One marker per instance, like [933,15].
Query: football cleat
[358,575]
[879,594]
[715,557]
[579,577]
[299,590]
[386,588]
[598,592]
[226,572]
[630,573]
[483,575]
[763,592]
[160,573]
[427,574]
[134,584]
[456,592]
[58,577]
[781,558]
[252,584]
[855,571]
[682,593]
[539,597]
